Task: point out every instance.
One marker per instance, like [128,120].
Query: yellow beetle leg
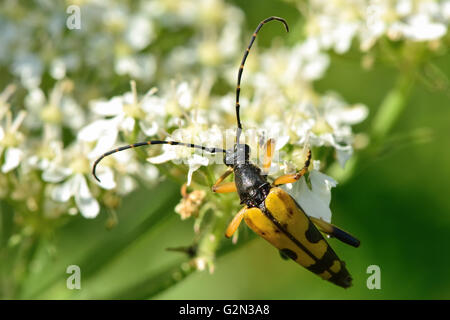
[268,154]
[234,224]
[291,178]
[336,232]
[226,187]
[220,187]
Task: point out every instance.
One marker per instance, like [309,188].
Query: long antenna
[241,68]
[150,142]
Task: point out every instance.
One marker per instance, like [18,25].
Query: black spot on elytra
[289,253]
[282,255]
[312,234]
[325,263]
[285,198]
[290,211]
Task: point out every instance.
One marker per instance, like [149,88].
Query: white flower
[58,69]
[446,10]
[103,132]
[116,173]
[180,154]
[67,171]
[60,65]
[194,164]
[315,201]
[56,110]
[122,112]
[140,67]
[29,68]
[76,186]
[421,28]
[10,136]
[184,95]
[13,156]
[140,32]
[334,24]
[329,123]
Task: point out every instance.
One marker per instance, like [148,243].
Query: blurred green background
[397,204]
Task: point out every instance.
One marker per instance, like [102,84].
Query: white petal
[106,176]
[55,173]
[2,133]
[88,206]
[315,68]
[351,115]
[154,105]
[343,154]
[184,95]
[151,173]
[73,114]
[35,99]
[58,69]
[112,107]
[128,124]
[316,201]
[93,131]
[422,29]
[194,163]
[42,164]
[446,10]
[309,202]
[167,155]
[403,7]
[281,142]
[13,157]
[137,67]
[104,143]
[125,185]
[150,129]
[64,191]
[29,68]
[140,32]
[321,185]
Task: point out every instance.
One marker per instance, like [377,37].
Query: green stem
[170,276]
[156,283]
[387,115]
[207,251]
[391,108]
[210,241]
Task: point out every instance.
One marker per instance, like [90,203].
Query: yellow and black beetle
[268,210]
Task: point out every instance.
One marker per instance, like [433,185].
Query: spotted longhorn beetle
[268,210]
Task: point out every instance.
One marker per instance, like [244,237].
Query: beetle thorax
[251,185]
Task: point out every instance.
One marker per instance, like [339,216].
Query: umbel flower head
[333,25]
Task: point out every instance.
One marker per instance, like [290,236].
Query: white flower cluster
[334,24]
[115,38]
[64,70]
[76,104]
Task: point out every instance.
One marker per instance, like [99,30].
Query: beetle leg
[336,232]
[234,224]
[291,178]
[268,154]
[226,187]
